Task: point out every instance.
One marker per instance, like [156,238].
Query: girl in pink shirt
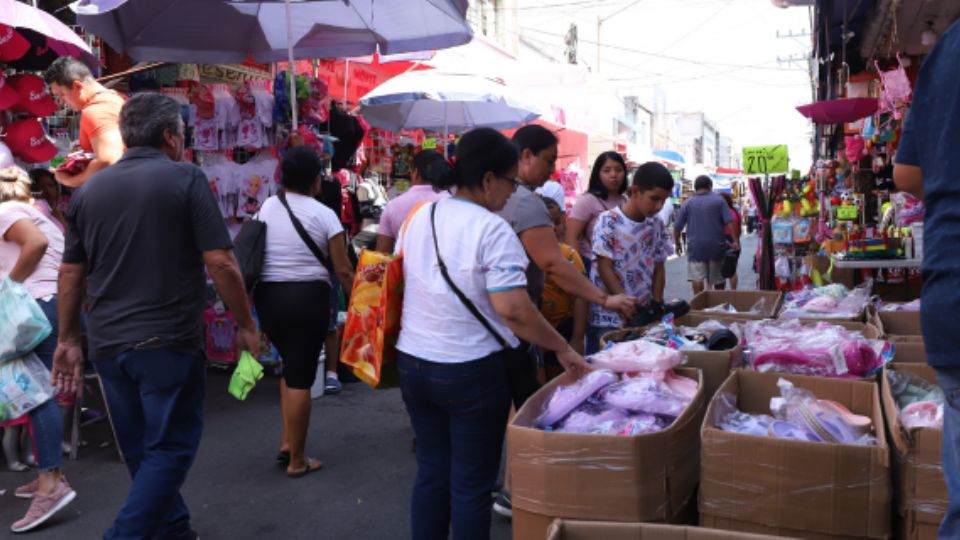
[605,192]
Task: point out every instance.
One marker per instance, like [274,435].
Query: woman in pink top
[605,192]
[429,166]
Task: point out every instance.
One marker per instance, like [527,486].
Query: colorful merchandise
[221,332]
[638,356]
[245,376]
[824,349]
[830,302]
[567,398]
[24,386]
[920,402]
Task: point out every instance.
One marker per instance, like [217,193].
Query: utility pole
[601,20]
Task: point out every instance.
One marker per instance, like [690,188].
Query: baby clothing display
[636,392]
[824,349]
[895,306]
[796,414]
[222,118]
[240,188]
[830,302]
[919,402]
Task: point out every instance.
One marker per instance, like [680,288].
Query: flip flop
[283,458]
[309,469]
[854,420]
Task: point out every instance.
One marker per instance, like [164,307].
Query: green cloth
[245,376]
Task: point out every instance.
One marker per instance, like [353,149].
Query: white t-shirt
[483,255]
[43,281]
[666,213]
[287,257]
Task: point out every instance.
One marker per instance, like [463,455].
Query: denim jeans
[155,397]
[458,412]
[594,333]
[46,420]
[949,381]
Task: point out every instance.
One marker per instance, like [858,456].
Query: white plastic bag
[22,323]
[24,386]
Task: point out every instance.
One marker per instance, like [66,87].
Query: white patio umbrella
[444,101]
[225,31]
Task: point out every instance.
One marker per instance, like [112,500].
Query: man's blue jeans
[459,414]
[949,381]
[155,397]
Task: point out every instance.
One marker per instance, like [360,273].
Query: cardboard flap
[742,301]
[598,530]
[900,323]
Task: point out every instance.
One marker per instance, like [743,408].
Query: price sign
[765,159]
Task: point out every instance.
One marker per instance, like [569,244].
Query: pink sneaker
[27,491]
[42,507]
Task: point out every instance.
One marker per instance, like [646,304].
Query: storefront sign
[765,159]
[234,73]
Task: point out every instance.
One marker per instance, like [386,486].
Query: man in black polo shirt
[139,235]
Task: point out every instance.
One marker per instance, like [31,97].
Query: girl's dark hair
[300,168]
[596,186]
[431,166]
[479,151]
[36,175]
[535,138]
[550,203]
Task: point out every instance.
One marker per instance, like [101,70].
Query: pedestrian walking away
[704,217]
[139,235]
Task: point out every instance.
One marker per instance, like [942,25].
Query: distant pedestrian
[608,183]
[31,248]
[73,85]
[751,214]
[429,166]
[927,165]
[293,295]
[733,230]
[139,235]
[704,217]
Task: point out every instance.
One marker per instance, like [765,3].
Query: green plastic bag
[245,376]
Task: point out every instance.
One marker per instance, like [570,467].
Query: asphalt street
[236,491]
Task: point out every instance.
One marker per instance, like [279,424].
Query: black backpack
[249,247]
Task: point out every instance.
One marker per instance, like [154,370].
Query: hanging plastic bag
[24,386]
[22,323]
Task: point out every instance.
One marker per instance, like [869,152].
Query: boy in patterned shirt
[630,247]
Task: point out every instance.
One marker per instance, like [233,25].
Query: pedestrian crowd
[500,279]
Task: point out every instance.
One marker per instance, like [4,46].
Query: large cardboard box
[742,301]
[600,477]
[562,529]
[900,323]
[804,489]
[920,492]
[715,365]
[909,349]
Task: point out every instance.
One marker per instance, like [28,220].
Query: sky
[715,56]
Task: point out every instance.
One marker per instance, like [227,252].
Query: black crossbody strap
[456,290]
[314,248]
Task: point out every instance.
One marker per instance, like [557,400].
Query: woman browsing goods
[452,349]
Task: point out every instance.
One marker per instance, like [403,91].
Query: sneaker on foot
[332,386]
[43,507]
[28,490]
[502,505]
[17,466]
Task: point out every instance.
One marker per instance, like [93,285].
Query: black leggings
[294,316]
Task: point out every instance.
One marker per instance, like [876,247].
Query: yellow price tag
[765,159]
[429,144]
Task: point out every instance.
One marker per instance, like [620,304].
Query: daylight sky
[715,56]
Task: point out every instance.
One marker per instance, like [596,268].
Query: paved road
[236,492]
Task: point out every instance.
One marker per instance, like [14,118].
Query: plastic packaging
[638,356]
[22,323]
[825,350]
[894,306]
[920,402]
[813,420]
[567,398]
[24,386]
[643,394]
[831,301]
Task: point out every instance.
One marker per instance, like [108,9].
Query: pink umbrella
[47,36]
[839,111]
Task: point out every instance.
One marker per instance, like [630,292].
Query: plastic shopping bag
[373,319]
[22,323]
[24,386]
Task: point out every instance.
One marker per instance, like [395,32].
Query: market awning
[671,156]
[839,111]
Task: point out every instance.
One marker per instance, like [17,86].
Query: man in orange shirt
[72,84]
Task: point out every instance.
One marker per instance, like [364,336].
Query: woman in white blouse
[452,357]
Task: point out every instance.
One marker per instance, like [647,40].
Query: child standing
[630,247]
[566,312]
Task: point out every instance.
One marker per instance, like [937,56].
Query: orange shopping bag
[373,319]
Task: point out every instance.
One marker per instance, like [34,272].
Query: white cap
[554,190]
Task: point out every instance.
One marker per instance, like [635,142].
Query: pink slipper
[853,420]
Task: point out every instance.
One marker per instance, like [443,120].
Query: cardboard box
[600,477]
[742,301]
[715,365]
[805,489]
[909,349]
[900,323]
[600,530]
[920,492]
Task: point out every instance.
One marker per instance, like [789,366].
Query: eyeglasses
[513,181]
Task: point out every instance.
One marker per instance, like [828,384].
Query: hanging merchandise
[895,89]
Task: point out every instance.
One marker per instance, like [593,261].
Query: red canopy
[839,111]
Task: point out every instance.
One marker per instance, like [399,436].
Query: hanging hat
[8,94]
[34,97]
[12,45]
[29,142]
